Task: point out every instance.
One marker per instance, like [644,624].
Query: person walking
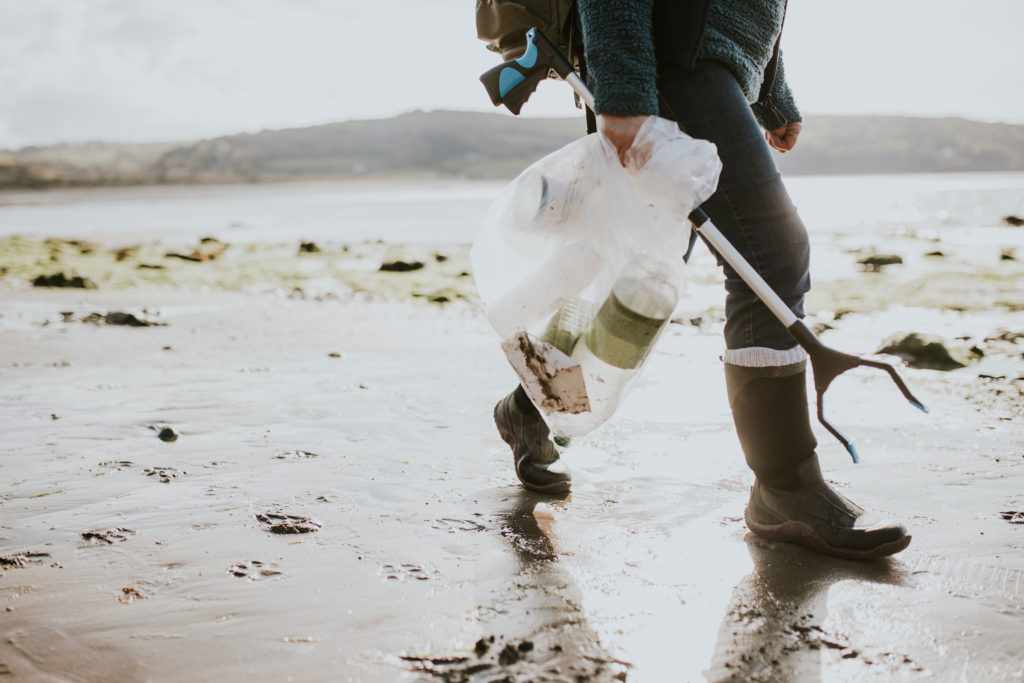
[714,67]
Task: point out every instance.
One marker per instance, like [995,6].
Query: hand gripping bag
[579,263]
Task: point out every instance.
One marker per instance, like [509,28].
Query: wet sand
[359,418]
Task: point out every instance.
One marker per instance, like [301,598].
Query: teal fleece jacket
[741,34]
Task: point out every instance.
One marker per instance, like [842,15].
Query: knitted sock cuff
[763,357]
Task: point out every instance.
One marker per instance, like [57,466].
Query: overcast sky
[75,70]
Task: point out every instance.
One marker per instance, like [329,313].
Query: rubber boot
[533,452]
[790,500]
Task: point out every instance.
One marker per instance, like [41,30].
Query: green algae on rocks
[363,270]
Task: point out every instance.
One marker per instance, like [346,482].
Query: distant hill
[441,143]
[899,144]
[478,145]
[93,163]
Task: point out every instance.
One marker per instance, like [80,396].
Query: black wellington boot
[533,452]
[790,500]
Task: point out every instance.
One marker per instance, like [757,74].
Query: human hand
[620,131]
[784,139]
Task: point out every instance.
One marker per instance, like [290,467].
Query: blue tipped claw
[827,364]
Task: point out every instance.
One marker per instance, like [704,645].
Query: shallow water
[449,212]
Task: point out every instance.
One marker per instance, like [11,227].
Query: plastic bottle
[568,323]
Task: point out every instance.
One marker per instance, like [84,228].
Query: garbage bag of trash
[579,263]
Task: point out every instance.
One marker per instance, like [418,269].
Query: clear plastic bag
[579,264]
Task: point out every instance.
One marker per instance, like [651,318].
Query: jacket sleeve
[619,49]
[780,108]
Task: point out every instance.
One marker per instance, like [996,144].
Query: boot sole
[510,439]
[803,535]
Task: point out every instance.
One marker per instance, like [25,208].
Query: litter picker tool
[511,84]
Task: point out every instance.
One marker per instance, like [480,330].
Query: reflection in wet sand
[536,627]
[773,629]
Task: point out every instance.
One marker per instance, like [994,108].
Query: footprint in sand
[295,455]
[279,523]
[164,474]
[452,525]
[108,536]
[403,571]
[116,465]
[254,570]
[21,560]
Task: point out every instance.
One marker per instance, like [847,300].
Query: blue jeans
[750,207]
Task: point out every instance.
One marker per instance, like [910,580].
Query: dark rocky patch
[309,248]
[1006,336]
[925,351]
[1013,221]
[62,280]
[203,253]
[876,262]
[400,266]
[117,318]
[508,655]
[165,433]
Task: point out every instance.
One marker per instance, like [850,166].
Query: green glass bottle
[632,317]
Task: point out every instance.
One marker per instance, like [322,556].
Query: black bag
[503,24]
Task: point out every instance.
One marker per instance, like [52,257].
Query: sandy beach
[286,469]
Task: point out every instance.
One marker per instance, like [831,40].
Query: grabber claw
[827,364]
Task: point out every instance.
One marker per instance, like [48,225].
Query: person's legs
[750,207]
[764,367]
[521,426]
